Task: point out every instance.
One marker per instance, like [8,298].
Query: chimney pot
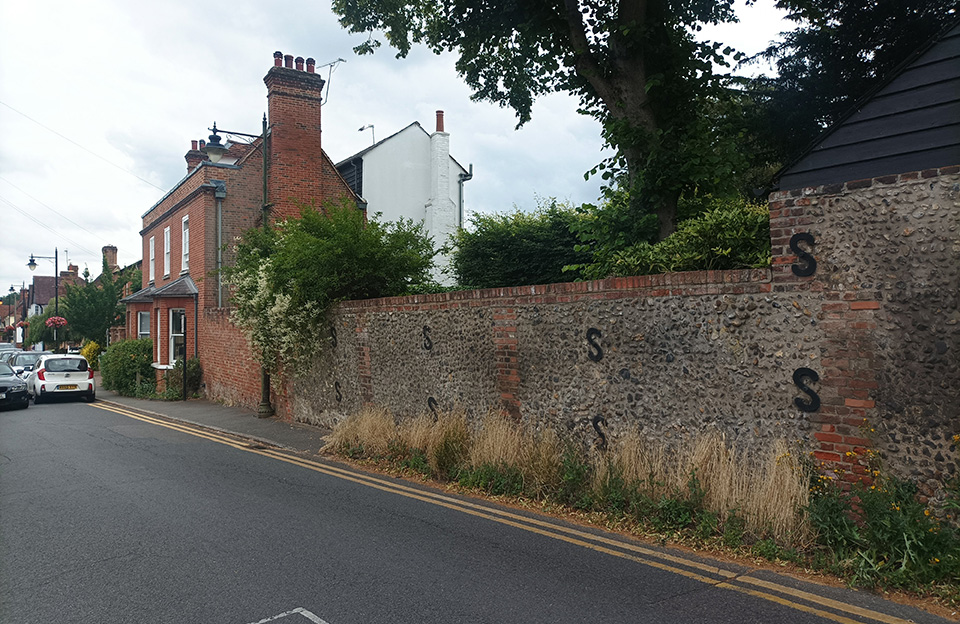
[439,121]
[202,143]
[277,56]
[288,61]
[299,63]
[311,65]
[193,145]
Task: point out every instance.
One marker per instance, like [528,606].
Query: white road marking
[298,611]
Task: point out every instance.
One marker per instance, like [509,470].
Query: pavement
[238,421]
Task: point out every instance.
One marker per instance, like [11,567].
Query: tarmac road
[110,513]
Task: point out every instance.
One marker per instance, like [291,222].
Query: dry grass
[768,492]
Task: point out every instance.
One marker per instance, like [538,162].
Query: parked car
[61,375]
[23,362]
[13,390]
[6,347]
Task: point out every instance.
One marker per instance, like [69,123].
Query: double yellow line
[807,602]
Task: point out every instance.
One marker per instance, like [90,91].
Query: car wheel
[36,399]
[91,396]
[26,404]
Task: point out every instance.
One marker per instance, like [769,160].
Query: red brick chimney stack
[296,157]
[194,156]
[439,121]
[110,251]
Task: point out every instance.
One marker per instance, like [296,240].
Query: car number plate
[3,395]
[67,387]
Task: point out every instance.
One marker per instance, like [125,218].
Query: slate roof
[144,295]
[181,287]
[907,123]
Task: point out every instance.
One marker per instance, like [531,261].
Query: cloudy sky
[100,99]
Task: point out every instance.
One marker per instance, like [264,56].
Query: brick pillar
[364,369]
[846,368]
[508,366]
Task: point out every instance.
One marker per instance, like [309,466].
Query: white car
[61,375]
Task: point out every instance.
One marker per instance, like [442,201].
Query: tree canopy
[94,307]
[634,65]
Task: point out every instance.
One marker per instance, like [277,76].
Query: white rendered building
[411,175]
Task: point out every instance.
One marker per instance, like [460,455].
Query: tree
[634,65]
[840,50]
[94,307]
[285,278]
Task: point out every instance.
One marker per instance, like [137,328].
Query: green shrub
[516,249]
[731,234]
[91,351]
[126,366]
[173,380]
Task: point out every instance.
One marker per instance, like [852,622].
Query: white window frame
[153,253]
[185,244]
[171,346]
[143,332]
[166,252]
[159,335]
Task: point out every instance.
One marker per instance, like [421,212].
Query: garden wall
[848,341]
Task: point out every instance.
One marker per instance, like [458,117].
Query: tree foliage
[94,307]
[728,234]
[840,50]
[286,278]
[635,66]
[516,249]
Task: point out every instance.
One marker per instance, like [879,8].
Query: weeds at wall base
[879,537]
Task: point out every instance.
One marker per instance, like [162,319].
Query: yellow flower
[926,512]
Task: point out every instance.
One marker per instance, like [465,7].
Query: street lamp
[215,151]
[32,265]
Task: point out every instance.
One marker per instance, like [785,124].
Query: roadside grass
[778,505]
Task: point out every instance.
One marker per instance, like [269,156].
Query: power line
[57,212]
[44,225]
[82,147]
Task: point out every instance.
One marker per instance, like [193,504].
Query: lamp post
[32,265]
[215,151]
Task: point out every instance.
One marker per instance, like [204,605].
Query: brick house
[182,305]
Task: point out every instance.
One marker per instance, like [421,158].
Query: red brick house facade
[187,235]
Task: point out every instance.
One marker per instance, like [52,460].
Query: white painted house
[411,175]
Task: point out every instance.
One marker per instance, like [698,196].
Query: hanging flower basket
[56,321]
[23,324]
[9,328]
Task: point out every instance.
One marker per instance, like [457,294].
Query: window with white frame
[153,252]
[156,312]
[166,252]
[178,334]
[143,324]
[185,244]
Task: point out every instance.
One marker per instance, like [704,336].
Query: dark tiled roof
[44,289]
[144,295]
[182,287]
